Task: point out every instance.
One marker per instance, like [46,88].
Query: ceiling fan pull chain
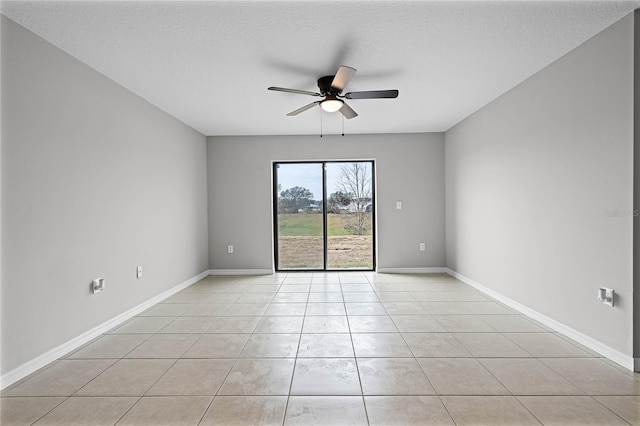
[320,122]
[343,125]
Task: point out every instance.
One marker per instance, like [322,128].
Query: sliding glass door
[299,219]
[349,215]
[324,215]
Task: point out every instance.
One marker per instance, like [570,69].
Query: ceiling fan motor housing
[324,84]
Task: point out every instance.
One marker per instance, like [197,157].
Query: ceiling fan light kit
[331,88]
[331,104]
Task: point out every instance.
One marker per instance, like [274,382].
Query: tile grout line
[286,405]
[608,409]
[364,402]
[437,395]
[128,410]
[237,358]
[51,410]
[295,360]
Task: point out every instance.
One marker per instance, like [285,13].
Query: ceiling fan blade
[372,94]
[303,109]
[342,77]
[299,92]
[348,112]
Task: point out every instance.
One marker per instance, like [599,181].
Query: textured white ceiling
[209,63]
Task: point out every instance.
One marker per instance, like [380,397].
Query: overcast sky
[309,175]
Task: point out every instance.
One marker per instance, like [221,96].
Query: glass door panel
[349,210]
[299,216]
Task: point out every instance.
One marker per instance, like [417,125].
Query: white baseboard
[434,270]
[37,363]
[606,351]
[240,272]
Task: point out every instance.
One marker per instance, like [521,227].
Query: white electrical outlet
[423,246]
[97,285]
[230,249]
[398,205]
[139,272]
[606,295]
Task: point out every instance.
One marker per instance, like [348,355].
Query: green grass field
[310,224]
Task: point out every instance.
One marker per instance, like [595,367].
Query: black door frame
[324,215]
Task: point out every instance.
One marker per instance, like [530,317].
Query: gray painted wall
[539,189]
[95,181]
[409,168]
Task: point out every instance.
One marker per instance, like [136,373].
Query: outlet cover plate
[606,296]
[97,285]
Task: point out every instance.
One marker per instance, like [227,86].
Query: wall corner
[636,187]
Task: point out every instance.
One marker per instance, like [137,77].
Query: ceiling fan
[331,88]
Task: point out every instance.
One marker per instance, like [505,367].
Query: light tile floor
[327,349]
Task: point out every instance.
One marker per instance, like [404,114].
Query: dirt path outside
[344,251]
